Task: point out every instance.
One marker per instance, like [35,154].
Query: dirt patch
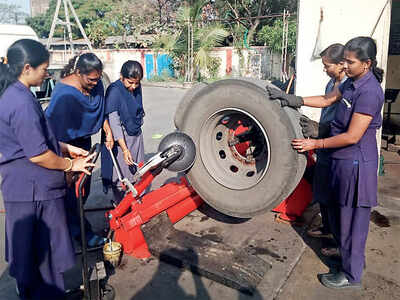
[379,287]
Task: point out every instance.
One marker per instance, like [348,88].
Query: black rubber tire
[189,96]
[294,117]
[285,166]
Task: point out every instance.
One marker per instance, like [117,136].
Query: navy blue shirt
[364,96]
[24,133]
[327,115]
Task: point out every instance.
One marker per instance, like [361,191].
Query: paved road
[295,259]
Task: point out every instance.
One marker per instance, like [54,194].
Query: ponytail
[22,52]
[6,77]
[378,72]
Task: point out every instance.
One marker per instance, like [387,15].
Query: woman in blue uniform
[333,61]
[75,113]
[354,153]
[124,109]
[32,167]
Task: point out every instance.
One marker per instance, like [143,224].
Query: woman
[125,112]
[38,244]
[333,61]
[354,153]
[75,113]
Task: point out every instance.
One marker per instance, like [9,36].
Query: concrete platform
[276,243]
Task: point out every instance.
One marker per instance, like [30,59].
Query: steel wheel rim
[223,161]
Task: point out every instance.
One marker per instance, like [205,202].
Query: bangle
[124,151]
[70,165]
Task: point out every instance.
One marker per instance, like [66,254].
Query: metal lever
[124,180]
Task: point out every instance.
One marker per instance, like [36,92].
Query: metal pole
[53,24]
[188,52]
[191,52]
[80,25]
[68,23]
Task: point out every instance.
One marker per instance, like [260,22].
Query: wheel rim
[234,148]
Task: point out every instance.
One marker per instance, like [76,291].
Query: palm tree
[190,46]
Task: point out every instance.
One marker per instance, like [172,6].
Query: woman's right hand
[128,157]
[81,164]
[285,99]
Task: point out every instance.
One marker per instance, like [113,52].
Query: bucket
[112,253]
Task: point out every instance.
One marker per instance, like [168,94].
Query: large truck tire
[237,183]
[294,117]
[189,96]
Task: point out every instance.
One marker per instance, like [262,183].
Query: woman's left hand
[302,145]
[75,152]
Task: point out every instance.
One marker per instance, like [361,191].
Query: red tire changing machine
[144,224]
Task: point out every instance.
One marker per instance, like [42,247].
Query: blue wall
[164,65]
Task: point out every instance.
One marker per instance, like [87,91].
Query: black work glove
[314,129]
[286,99]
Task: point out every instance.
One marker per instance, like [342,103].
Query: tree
[193,33]
[12,14]
[166,10]
[101,18]
[243,17]
[271,36]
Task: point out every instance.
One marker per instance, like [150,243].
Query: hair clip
[76,62]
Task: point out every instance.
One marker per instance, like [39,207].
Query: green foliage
[213,66]
[271,36]
[100,19]
[205,37]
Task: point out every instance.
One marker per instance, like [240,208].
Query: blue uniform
[38,244]
[74,117]
[322,167]
[354,170]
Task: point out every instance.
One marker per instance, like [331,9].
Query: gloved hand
[286,99]
[313,129]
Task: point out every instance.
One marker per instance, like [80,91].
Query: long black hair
[85,63]
[334,53]
[365,48]
[20,53]
[132,69]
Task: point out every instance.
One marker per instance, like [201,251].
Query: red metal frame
[177,199]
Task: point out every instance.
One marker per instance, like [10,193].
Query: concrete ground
[295,258]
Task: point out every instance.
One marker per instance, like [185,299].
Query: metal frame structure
[67,6]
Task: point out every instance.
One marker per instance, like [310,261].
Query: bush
[213,65]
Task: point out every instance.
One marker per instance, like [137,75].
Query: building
[39,7]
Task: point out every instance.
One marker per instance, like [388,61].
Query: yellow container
[113,252]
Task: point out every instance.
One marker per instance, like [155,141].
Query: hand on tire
[313,129]
[285,99]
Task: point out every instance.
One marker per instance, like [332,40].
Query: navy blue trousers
[38,247]
[353,232]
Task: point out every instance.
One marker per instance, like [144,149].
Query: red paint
[142,61]
[228,61]
[293,206]
[177,199]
